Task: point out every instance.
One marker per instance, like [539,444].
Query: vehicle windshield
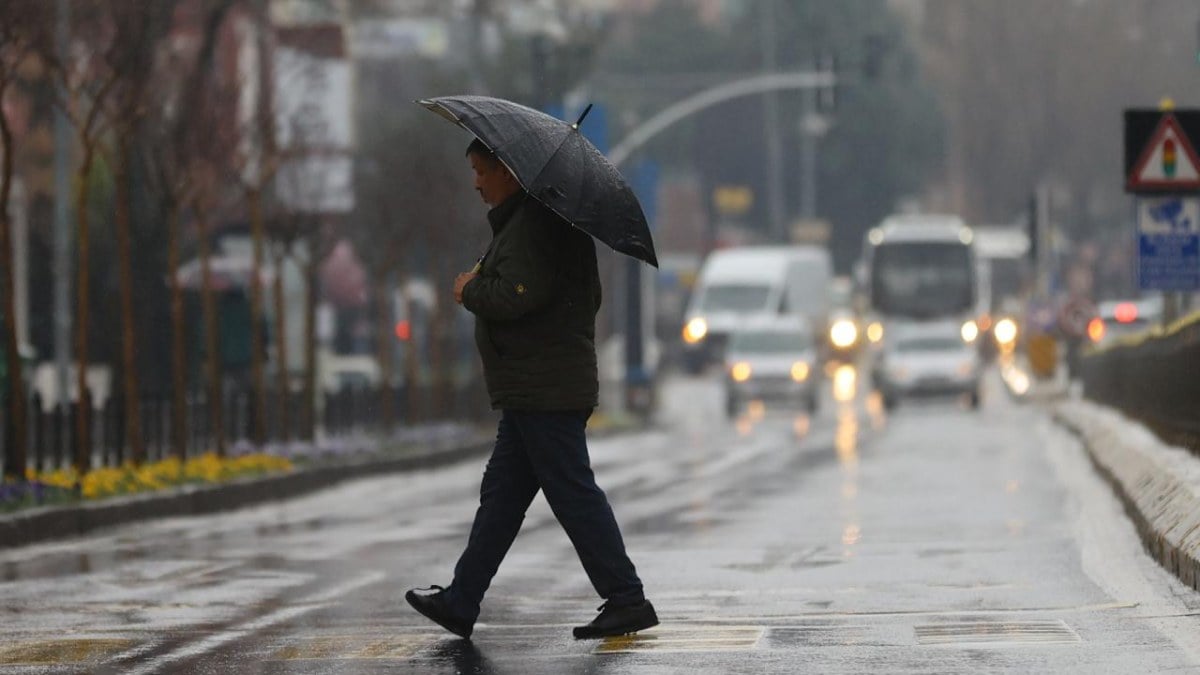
[770,342]
[922,280]
[742,298]
[929,344]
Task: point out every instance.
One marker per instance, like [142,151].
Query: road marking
[996,633]
[282,615]
[684,639]
[61,652]
[354,647]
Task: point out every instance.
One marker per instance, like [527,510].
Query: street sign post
[1162,170]
[1168,243]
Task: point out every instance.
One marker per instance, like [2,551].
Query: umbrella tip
[584,114]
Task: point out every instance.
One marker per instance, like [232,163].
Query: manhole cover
[57,652]
[685,639]
[996,633]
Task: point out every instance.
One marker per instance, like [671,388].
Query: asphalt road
[932,539]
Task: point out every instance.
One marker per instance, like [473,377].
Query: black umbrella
[558,166]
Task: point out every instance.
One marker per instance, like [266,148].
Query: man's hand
[460,282]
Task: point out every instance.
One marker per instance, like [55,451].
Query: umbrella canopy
[558,167]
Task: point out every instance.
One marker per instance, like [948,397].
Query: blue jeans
[547,451]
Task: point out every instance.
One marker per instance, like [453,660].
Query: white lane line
[281,615]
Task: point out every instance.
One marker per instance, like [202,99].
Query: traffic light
[403,330]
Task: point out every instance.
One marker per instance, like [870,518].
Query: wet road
[933,539]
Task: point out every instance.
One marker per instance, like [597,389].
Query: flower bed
[65,485]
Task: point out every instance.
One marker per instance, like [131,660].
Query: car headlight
[740,371]
[843,333]
[970,331]
[875,332]
[800,371]
[695,330]
[1005,332]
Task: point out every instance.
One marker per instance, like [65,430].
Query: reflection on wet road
[929,539]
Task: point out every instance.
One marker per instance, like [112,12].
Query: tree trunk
[83,427]
[178,344]
[385,336]
[256,318]
[212,340]
[133,417]
[281,353]
[312,265]
[16,456]
[411,363]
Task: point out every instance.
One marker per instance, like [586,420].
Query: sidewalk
[1159,484]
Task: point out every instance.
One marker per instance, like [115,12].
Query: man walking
[535,296]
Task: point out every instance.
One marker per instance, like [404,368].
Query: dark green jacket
[535,302]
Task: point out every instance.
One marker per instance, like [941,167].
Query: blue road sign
[1168,243]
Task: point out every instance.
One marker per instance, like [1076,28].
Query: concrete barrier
[1159,485]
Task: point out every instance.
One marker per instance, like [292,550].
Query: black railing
[1155,380]
[52,441]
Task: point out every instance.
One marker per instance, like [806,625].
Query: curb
[1164,508]
[57,522]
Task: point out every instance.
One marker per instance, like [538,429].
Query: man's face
[492,179]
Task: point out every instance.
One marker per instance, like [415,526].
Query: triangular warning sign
[1168,162]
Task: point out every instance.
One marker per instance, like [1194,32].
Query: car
[774,360]
[927,360]
[1117,318]
[751,283]
[845,335]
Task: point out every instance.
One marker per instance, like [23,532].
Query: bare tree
[185,117]
[1039,101]
[412,184]
[89,83]
[24,42]
[137,33]
[261,171]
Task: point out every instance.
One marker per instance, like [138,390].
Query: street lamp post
[749,86]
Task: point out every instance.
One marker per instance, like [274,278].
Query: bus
[1005,282]
[920,268]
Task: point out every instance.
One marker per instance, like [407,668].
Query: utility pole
[62,213]
[772,137]
[813,126]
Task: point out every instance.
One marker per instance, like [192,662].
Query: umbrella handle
[478,264]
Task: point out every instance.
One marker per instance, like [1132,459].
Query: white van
[740,284]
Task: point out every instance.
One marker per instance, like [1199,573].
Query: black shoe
[431,602]
[618,621]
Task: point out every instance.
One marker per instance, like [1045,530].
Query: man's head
[493,180]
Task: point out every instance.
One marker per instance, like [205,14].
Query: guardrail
[1153,377]
[52,442]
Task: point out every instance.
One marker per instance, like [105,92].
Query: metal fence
[53,443]
[1155,380]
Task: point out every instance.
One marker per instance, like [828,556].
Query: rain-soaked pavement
[934,539]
